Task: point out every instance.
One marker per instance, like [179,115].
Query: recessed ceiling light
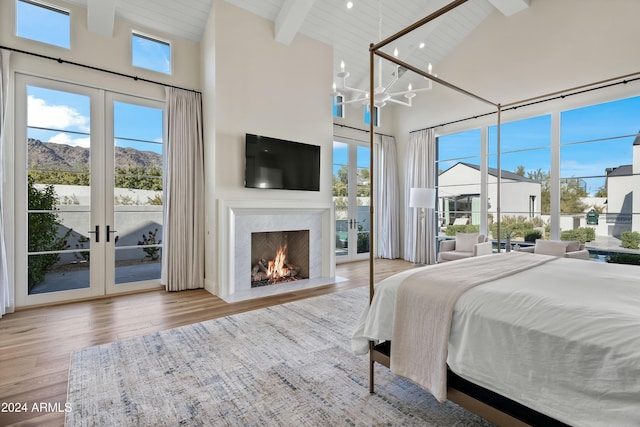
[421,45]
[349,4]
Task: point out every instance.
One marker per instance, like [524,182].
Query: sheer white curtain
[183,260]
[6,303]
[420,244]
[386,198]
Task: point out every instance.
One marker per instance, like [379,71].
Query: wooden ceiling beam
[290,19]
[509,7]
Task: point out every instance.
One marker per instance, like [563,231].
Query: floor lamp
[423,198]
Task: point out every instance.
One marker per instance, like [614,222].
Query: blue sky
[527,142]
[341,155]
[44,25]
[592,139]
[67,115]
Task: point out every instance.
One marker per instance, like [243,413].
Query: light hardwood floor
[36,344]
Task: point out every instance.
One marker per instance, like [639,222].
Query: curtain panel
[420,235]
[6,299]
[387,200]
[183,261]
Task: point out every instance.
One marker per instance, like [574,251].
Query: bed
[558,338]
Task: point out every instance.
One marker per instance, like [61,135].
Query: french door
[351,178]
[89,199]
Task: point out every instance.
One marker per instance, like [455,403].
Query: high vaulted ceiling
[348,31]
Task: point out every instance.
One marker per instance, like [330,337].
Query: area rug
[287,365]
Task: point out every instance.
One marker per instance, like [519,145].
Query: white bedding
[562,338]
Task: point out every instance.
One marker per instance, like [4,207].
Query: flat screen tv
[280,164]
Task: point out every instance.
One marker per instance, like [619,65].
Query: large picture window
[459,181]
[590,197]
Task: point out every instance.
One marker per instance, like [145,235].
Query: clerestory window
[43,22]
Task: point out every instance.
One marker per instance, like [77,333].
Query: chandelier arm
[397,101]
[351,101]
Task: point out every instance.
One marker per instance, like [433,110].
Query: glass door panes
[340,196]
[138,195]
[58,190]
[362,224]
[89,192]
[351,181]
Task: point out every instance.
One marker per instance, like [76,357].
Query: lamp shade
[422,198]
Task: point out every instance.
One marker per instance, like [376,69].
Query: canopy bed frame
[492,406]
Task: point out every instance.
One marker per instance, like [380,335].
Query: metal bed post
[371,202]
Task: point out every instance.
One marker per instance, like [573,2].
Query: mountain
[49,155]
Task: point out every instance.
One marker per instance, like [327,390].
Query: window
[43,23]
[459,178]
[338,106]
[525,158]
[599,164]
[376,116]
[150,53]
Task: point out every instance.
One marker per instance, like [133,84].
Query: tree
[519,170]
[543,178]
[571,193]
[43,231]
[340,182]
[602,191]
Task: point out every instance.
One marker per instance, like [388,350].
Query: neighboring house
[459,194]
[622,182]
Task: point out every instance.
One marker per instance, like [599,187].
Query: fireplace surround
[238,219]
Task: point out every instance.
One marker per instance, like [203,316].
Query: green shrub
[152,252]
[532,236]
[582,234]
[517,226]
[631,240]
[43,232]
[621,258]
[462,228]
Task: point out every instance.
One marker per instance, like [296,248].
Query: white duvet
[562,338]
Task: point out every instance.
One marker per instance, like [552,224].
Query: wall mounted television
[276,163]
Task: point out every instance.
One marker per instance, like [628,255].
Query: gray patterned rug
[288,365]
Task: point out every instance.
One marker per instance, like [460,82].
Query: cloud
[65,138]
[55,116]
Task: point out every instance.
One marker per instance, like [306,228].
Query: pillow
[465,241]
[573,246]
[550,247]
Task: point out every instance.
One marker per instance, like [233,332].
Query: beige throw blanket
[424,308]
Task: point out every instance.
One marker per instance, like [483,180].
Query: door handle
[109,232]
[97,233]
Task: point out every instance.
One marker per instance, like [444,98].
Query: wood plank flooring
[36,344]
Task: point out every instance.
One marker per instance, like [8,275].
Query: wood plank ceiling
[348,31]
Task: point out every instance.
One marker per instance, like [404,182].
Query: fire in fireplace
[279,257]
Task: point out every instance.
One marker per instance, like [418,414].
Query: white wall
[263,87]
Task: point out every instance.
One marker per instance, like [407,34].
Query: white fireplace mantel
[238,218]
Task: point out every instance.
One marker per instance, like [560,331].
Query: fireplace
[279,257]
[239,219]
